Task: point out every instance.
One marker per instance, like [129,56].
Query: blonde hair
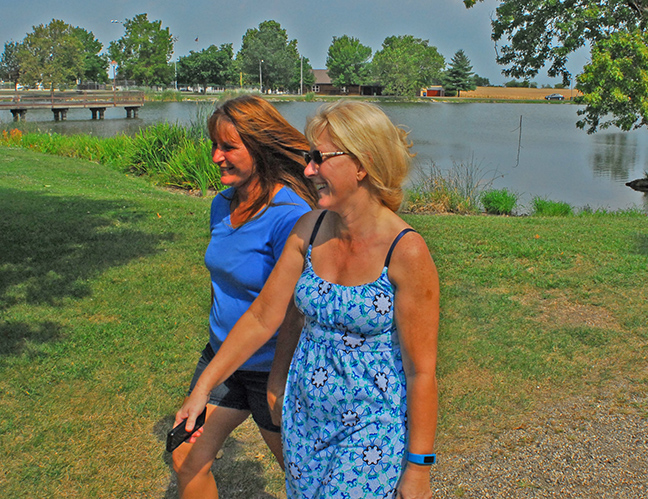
[364,131]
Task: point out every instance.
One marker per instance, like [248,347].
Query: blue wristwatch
[421,458]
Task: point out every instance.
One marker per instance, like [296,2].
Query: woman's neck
[245,197]
[361,220]
[248,193]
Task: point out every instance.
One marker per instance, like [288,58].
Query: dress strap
[316,227]
[393,245]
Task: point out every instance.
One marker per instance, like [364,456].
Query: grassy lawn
[103,312]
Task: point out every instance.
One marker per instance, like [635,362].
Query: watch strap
[425,459]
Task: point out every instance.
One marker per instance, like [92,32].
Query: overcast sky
[447,24]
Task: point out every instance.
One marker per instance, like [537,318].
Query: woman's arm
[287,341]
[416,310]
[255,327]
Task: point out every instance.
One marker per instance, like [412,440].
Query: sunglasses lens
[314,156]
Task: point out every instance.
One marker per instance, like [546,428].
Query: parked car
[555,97]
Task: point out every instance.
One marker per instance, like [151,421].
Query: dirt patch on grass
[559,309]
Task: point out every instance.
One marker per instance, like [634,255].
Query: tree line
[529,37]
[61,55]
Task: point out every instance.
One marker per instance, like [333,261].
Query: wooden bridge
[60,102]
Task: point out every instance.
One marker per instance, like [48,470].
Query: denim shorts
[243,390]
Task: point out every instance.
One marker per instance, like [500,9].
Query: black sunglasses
[318,157]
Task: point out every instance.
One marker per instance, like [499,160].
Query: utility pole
[301,77]
[260,76]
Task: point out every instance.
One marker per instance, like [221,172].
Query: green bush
[155,145]
[168,154]
[545,208]
[191,167]
[456,190]
[499,201]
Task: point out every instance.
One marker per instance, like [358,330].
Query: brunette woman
[259,156]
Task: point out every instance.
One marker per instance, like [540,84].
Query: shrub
[191,167]
[154,146]
[499,201]
[456,191]
[545,208]
[11,138]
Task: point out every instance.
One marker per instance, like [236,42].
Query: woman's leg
[273,441]
[192,462]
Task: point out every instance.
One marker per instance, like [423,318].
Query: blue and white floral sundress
[344,414]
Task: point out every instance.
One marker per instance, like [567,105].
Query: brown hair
[364,131]
[274,144]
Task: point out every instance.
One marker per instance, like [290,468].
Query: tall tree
[144,52]
[348,61]
[9,65]
[213,65]
[267,54]
[95,65]
[615,83]
[51,55]
[459,75]
[406,64]
[546,32]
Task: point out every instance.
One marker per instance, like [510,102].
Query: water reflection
[557,161]
[614,156]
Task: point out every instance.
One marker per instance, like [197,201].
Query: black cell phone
[178,434]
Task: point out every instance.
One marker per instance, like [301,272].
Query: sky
[446,24]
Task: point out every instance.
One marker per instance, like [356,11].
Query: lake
[547,156]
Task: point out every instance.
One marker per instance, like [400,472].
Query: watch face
[429,459]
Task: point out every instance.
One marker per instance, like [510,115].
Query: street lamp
[113,65]
[260,76]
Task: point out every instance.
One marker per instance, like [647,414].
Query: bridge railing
[82,98]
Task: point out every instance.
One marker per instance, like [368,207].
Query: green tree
[481,81]
[9,65]
[406,64]
[517,84]
[459,75]
[144,52]
[267,54]
[95,65]
[546,32]
[347,62]
[213,65]
[615,83]
[51,55]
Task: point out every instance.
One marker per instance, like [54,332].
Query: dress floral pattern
[344,415]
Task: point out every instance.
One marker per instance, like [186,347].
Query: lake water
[547,156]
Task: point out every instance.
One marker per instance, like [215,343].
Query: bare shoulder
[304,228]
[307,222]
[411,261]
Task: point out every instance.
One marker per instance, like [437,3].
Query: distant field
[517,93]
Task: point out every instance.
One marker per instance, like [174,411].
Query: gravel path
[582,448]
